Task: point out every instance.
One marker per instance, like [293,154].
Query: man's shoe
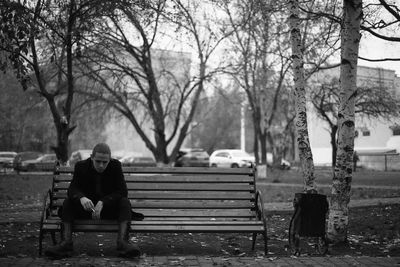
[62,250]
[127,250]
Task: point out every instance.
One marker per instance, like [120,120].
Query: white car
[45,162]
[7,158]
[231,158]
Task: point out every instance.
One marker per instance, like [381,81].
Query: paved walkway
[205,261]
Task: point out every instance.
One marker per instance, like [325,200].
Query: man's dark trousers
[118,210]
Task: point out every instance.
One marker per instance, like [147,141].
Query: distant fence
[381,161]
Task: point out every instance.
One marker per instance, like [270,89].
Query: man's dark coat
[83,184]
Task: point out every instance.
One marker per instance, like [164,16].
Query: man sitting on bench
[97,191]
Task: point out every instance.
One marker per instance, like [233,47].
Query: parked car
[7,158]
[285,165]
[45,162]
[138,161]
[120,154]
[192,157]
[231,158]
[23,156]
[78,155]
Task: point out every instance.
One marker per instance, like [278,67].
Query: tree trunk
[255,143]
[333,144]
[61,149]
[306,158]
[341,185]
[263,144]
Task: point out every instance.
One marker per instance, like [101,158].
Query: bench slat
[164,228]
[172,170]
[173,179]
[158,222]
[179,195]
[183,204]
[194,218]
[177,187]
[232,213]
[198,213]
[192,205]
[188,179]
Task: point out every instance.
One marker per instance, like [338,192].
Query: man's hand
[97,210]
[87,204]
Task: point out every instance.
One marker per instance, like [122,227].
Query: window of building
[396,131]
[366,133]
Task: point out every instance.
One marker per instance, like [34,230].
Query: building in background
[373,137]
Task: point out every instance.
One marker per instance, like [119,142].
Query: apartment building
[373,137]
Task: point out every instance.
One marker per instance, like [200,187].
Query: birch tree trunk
[303,142]
[341,184]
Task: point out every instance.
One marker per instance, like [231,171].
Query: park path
[206,261]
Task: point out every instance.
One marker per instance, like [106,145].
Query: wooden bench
[173,200]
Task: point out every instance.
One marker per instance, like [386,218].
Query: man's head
[101,156]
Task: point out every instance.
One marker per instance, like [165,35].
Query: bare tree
[149,85]
[261,61]
[380,20]
[353,18]
[303,141]
[341,184]
[218,125]
[381,25]
[41,40]
[253,61]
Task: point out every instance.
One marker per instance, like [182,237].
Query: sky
[374,48]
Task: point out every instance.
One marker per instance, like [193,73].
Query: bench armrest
[260,209]
[47,203]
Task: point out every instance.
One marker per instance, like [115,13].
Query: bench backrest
[181,193]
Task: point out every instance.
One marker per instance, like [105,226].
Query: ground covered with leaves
[373,231]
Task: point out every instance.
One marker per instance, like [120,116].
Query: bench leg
[41,235]
[126,237]
[265,242]
[40,242]
[53,238]
[294,232]
[254,241]
[62,236]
